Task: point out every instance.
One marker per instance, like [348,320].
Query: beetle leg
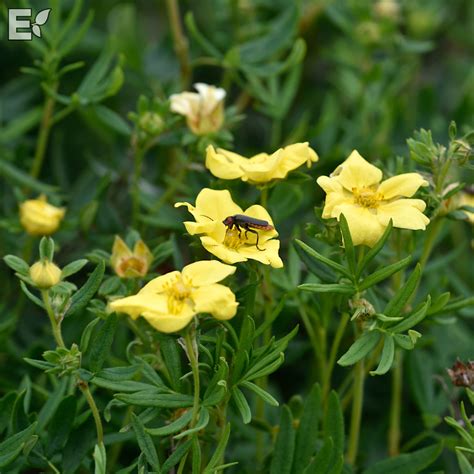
[256,233]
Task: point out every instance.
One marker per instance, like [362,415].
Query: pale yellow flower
[260,168]
[170,301]
[130,264]
[355,190]
[467,199]
[230,244]
[45,274]
[38,217]
[204,110]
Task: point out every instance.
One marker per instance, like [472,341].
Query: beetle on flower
[227,242]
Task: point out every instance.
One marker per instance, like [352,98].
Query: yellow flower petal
[293,156]
[217,300]
[356,172]
[136,305]
[119,250]
[222,252]
[216,204]
[169,323]
[268,256]
[336,196]
[207,272]
[405,185]
[38,217]
[158,284]
[363,224]
[224,164]
[141,250]
[405,213]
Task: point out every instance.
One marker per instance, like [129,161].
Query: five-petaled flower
[38,217]
[130,264]
[231,244]
[355,190]
[204,110]
[260,168]
[169,302]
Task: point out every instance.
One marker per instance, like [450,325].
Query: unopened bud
[45,274]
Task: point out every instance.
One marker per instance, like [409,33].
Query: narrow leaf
[327,288]
[348,245]
[361,347]
[372,253]
[413,319]
[242,405]
[283,451]
[145,443]
[397,303]
[386,359]
[383,273]
[263,394]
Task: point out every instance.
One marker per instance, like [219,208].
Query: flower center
[132,263]
[179,293]
[367,197]
[233,238]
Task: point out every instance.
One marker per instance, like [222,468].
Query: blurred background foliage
[339,74]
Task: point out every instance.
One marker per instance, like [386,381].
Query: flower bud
[151,123]
[45,274]
[38,217]
[130,264]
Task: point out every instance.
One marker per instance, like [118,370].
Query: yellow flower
[467,199]
[45,274]
[130,264]
[40,218]
[260,168]
[355,190]
[170,301]
[230,244]
[204,110]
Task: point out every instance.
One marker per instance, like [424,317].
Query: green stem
[137,173]
[190,342]
[180,41]
[394,433]
[95,412]
[333,354]
[55,324]
[43,135]
[431,236]
[356,414]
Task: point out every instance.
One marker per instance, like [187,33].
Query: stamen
[367,197]
[179,293]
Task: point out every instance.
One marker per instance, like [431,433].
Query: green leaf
[361,347]
[307,430]
[205,44]
[20,125]
[145,443]
[383,273]
[176,456]
[87,334]
[413,319]
[439,303]
[100,459]
[263,394]
[30,295]
[322,462]
[219,451]
[17,264]
[242,405]
[13,445]
[172,357]
[52,403]
[411,463]
[315,267]
[321,258]
[154,398]
[61,424]
[372,253]
[404,341]
[102,342]
[173,427]
[201,423]
[398,301]
[73,267]
[464,465]
[348,245]
[386,359]
[121,386]
[334,425]
[111,120]
[328,288]
[46,248]
[23,179]
[80,299]
[283,451]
